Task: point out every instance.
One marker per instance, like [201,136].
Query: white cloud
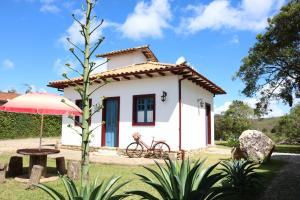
[47,6]
[235,39]
[222,108]
[276,109]
[248,15]
[50,8]
[34,88]
[147,20]
[180,60]
[8,64]
[73,32]
[59,66]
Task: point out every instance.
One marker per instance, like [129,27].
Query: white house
[173,102]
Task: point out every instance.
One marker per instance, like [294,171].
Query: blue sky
[213,36]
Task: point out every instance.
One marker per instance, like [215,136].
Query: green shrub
[19,125]
[106,190]
[182,181]
[233,142]
[241,179]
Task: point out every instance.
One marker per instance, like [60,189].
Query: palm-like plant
[241,178]
[106,190]
[182,181]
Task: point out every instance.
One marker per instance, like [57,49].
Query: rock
[257,145]
[238,154]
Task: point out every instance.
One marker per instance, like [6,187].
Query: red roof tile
[4,96]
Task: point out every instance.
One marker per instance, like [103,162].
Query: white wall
[122,60]
[166,126]
[193,116]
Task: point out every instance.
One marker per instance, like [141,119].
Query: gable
[121,60]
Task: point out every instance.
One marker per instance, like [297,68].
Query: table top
[37,152]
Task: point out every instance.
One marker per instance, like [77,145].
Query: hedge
[17,125]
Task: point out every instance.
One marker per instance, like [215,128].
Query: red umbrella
[43,104]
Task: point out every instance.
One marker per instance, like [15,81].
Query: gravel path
[286,185]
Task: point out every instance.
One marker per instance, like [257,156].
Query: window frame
[134,110]
[77,118]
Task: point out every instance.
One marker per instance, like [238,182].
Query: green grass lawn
[12,190]
[287,148]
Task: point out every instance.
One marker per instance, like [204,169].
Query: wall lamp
[200,102]
[164,96]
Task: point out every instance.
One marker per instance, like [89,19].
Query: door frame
[208,124]
[103,134]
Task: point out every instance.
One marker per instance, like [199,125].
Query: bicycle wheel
[161,150]
[134,150]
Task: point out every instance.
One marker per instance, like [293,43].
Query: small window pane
[141,116]
[149,116]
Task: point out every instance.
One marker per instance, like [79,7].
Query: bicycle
[159,149]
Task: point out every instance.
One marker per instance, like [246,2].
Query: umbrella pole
[41,131]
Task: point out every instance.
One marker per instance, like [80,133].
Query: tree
[29,88]
[83,88]
[271,69]
[235,120]
[289,125]
[12,90]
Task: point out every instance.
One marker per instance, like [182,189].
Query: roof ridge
[124,67]
[161,63]
[123,50]
[132,65]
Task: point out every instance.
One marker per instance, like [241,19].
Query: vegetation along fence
[17,125]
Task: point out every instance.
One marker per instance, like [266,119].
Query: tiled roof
[145,70]
[144,49]
[4,96]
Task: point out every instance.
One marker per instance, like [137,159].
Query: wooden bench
[15,166]
[2,172]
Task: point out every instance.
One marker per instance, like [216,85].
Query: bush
[288,126]
[233,142]
[241,179]
[181,181]
[19,125]
[233,121]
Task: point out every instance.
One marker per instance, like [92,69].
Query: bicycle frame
[145,145]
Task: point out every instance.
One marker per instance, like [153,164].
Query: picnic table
[38,157]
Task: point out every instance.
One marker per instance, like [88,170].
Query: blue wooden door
[111,122]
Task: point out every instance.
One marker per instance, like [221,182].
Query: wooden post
[73,170]
[15,166]
[182,154]
[61,165]
[41,131]
[35,177]
[2,172]
[57,145]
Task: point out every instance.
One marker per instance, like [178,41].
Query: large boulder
[257,145]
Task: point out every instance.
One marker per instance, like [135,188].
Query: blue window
[144,109]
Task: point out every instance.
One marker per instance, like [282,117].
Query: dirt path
[10,147]
[286,185]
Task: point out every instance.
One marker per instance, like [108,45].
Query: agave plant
[183,181]
[241,178]
[106,190]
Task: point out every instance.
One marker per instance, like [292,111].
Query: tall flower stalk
[83,56]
